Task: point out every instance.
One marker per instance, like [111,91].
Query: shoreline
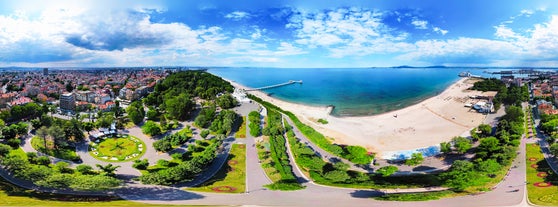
[426,123]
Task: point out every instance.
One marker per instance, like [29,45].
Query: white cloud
[440,30]
[238,15]
[346,32]
[420,24]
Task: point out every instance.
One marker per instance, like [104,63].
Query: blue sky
[279,33]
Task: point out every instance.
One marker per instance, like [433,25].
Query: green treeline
[506,95]
[355,154]
[255,128]
[278,153]
[174,94]
[191,163]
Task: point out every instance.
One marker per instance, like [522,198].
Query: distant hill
[408,66]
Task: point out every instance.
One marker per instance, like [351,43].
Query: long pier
[276,85]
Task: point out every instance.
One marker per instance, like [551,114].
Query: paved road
[315,195]
[319,151]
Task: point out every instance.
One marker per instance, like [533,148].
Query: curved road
[315,195]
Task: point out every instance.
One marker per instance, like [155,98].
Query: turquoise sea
[353,91]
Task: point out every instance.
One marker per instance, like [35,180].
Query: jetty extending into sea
[276,85]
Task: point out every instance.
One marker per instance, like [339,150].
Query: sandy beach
[434,120]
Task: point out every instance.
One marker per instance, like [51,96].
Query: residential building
[67,102]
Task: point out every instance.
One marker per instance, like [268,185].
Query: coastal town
[75,91]
[149,124]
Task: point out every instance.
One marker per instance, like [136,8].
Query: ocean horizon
[352,91]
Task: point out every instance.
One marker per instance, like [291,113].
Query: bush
[322,121]
[84,169]
[43,160]
[151,128]
[387,170]
[141,164]
[14,143]
[163,163]
[4,149]
[204,133]
[162,145]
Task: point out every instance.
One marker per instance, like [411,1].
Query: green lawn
[118,149]
[231,178]
[266,161]
[545,196]
[66,153]
[11,195]
[241,133]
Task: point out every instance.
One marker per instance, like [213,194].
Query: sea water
[352,91]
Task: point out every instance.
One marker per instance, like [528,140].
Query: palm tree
[108,170]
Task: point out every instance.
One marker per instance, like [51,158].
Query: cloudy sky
[279,33]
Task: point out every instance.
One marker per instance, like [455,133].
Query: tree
[179,107]
[135,112]
[488,166]
[4,150]
[416,159]
[445,147]
[461,144]
[486,130]
[554,149]
[108,170]
[58,135]
[226,101]
[337,176]
[460,175]
[341,166]
[151,128]
[69,87]
[387,170]
[488,146]
[162,145]
[358,155]
[88,126]
[43,133]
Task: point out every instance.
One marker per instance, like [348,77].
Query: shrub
[204,133]
[322,121]
[43,160]
[4,149]
[163,163]
[84,169]
[141,164]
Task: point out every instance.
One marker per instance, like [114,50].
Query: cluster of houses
[77,90]
[545,92]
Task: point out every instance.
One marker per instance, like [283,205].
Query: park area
[231,178]
[541,180]
[120,148]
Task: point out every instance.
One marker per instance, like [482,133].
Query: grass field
[231,178]
[241,133]
[65,153]
[538,171]
[267,161]
[11,195]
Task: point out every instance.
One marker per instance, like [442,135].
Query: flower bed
[223,189]
[542,174]
[117,149]
[542,184]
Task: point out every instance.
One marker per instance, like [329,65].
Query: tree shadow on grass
[157,193]
[221,174]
